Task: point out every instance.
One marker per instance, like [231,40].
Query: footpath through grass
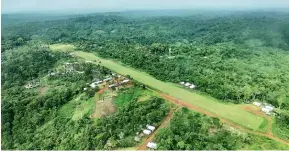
[230,112]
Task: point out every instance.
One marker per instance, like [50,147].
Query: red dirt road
[164,123]
[102,90]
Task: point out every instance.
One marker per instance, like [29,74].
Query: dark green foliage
[25,63]
[282,124]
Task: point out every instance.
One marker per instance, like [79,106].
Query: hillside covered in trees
[236,57]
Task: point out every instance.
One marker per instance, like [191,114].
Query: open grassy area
[230,112]
[83,107]
[126,95]
[77,108]
[62,47]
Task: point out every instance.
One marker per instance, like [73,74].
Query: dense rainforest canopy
[236,57]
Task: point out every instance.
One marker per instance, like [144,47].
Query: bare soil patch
[42,90]
[104,105]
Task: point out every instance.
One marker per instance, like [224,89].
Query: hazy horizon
[78,6]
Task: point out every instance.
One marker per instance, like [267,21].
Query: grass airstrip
[228,111]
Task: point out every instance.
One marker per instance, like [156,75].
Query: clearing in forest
[82,107]
[227,111]
[103,104]
[62,47]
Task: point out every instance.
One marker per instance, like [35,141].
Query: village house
[271,108]
[257,103]
[72,54]
[147,132]
[265,110]
[92,85]
[152,145]
[187,84]
[31,85]
[112,85]
[137,138]
[152,128]
[182,83]
[192,86]
[107,79]
[53,73]
[124,81]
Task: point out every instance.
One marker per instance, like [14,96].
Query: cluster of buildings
[147,131]
[72,54]
[32,85]
[95,84]
[189,85]
[116,83]
[266,108]
[69,67]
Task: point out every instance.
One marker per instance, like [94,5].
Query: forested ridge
[236,57]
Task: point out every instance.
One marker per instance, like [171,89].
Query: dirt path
[100,91]
[143,146]
[190,106]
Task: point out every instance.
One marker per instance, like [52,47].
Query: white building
[265,110]
[125,81]
[137,139]
[270,108]
[187,84]
[97,82]
[152,145]
[257,103]
[147,132]
[192,86]
[28,86]
[152,128]
[107,79]
[93,85]
[53,73]
[182,83]
[112,85]
[84,89]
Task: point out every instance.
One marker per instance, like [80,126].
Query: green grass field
[62,47]
[77,108]
[230,112]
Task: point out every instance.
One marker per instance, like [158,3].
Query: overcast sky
[120,5]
